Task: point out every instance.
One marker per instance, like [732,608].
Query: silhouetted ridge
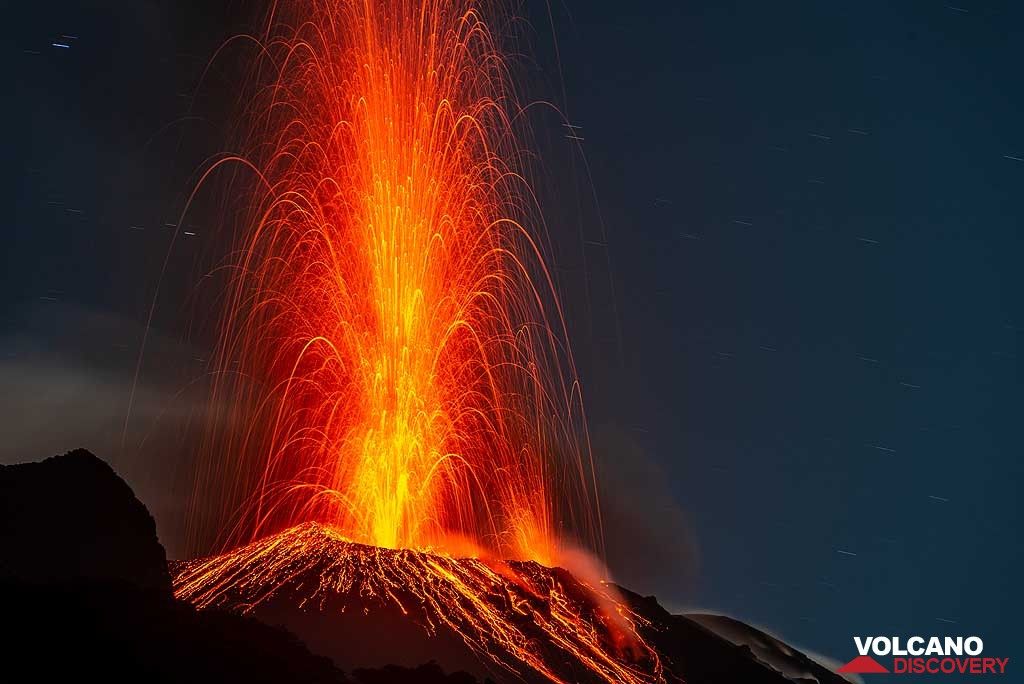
[72,518]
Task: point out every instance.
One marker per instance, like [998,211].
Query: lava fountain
[393,364]
[393,344]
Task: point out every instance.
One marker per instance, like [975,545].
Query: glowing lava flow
[527,619]
[394,368]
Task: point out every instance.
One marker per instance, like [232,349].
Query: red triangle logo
[863,665]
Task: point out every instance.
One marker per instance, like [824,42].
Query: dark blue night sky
[797,309]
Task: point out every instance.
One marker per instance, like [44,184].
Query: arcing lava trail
[394,379]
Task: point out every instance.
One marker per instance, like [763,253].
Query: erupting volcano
[393,358]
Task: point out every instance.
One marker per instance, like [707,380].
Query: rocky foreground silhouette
[87,593]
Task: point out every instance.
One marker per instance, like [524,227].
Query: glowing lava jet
[392,345]
[394,365]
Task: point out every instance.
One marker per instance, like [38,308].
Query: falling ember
[393,365]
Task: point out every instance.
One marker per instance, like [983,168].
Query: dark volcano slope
[697,654]
[376,632]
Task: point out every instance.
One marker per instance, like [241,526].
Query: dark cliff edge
[71,518]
